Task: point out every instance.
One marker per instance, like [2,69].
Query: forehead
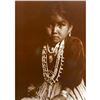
[57,18]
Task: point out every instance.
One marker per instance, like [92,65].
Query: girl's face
[57,29]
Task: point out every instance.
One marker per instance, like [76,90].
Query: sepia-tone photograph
[50,50]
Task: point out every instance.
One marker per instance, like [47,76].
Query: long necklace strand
[52,76]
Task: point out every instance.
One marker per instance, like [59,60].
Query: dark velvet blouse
[74,64]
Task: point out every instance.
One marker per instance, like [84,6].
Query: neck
[52,44]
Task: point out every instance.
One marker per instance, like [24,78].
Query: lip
[55,36]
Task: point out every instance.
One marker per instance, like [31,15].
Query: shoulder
[73,47]
[74,41]
[38,50]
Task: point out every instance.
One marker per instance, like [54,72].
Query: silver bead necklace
[49,75]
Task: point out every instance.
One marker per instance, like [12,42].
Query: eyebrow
[59,22]
[63,22]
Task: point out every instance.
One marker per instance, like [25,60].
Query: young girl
[62,62]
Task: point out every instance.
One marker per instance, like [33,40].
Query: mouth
[55,38]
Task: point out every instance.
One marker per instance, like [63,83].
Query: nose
[54,31]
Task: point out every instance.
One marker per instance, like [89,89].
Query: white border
[93,49]
[7,50]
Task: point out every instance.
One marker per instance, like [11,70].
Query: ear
[70,29]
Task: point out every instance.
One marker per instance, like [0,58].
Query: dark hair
[56,9]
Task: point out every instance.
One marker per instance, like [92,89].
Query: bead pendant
[50,58]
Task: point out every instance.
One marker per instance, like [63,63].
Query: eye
[60,25]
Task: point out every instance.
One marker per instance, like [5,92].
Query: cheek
[64,32]
[48,31]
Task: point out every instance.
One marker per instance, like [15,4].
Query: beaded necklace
[49,75]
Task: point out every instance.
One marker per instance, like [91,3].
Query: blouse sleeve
[74,66]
